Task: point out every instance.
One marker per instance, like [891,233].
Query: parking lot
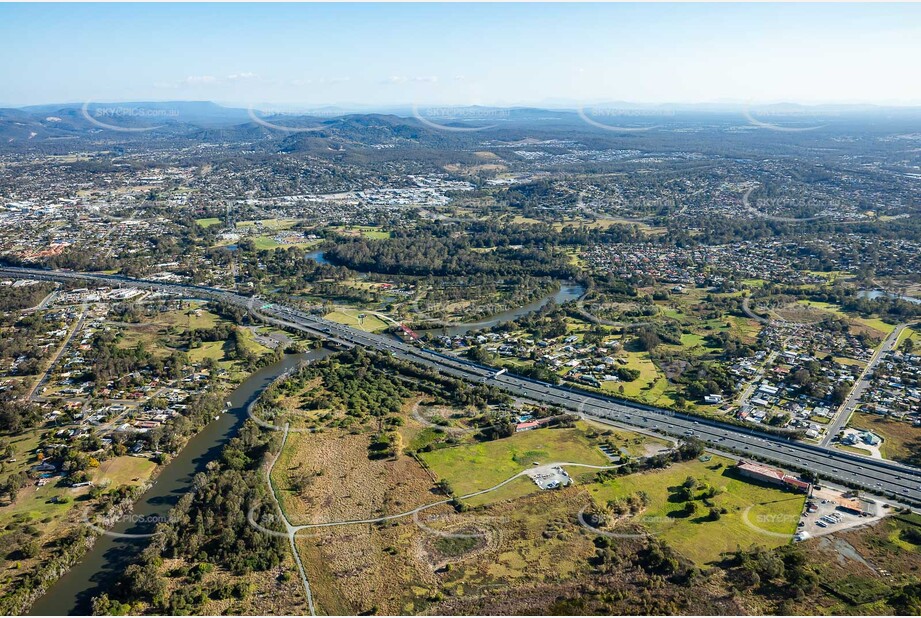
[831,510]
[550,477]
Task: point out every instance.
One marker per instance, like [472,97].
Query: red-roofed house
[535,424]
[767,474]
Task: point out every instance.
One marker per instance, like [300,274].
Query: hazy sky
[460,54]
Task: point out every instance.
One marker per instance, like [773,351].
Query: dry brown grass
[350,485]
[354,569]
[404,568]
[800,314]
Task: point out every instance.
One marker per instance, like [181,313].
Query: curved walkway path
[291,530]
[376,520]
[580,309]
[457,431]
[748,311]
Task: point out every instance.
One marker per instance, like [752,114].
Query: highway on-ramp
[882,478]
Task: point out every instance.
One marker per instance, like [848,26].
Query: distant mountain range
[34,124]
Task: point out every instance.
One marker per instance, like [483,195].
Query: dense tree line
[451,250]
[17,415]
[18,298]
[108,361]
[207,528]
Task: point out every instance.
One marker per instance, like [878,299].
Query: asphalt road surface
[861,385]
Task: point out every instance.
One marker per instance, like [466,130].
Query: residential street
[844,412]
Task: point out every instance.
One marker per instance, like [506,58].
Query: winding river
[567,291]
[73,593]
[874,294]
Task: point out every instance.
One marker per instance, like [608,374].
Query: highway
[881,478]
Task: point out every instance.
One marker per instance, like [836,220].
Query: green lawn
[691,340]
[39,504]
[208,349]
[472,467]
[874,323]
[829,307]
[849,361]
[208,222]
[770,511]
[910,333]
[273,224]
[649,387]
[124,470]
[266,243]
[194,317]
[351,317]
[518,488]
[248,340]
[877,324]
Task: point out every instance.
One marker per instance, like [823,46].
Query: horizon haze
[378,55]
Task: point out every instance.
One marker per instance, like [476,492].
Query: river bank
[564,292]
[115,548]
[567,291]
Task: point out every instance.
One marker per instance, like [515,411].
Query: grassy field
[267,242]
[357,318]
[747,328]
[207,349]
[342,483]
[194,317]
[649,387]
[849,361]
[125,470]
[636,445]
[756,514]
[272,224]
[876,324]
[249,342]
[153,331]
[602,223]
[473,467]
[692,340]
[208,222]
[48,505]
[403,569]
[538,544]
[900,438]
[910,333]
[815,304]
[873,323]
[365,231]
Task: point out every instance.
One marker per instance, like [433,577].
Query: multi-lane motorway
[882,478]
